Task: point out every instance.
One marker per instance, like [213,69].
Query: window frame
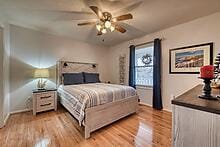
[135,67]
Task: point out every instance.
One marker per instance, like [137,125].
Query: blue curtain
[132,67]
[157,99]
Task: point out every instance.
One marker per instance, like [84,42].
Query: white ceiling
[149,16]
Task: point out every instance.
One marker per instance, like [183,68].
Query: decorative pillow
[73,78]
[91,77]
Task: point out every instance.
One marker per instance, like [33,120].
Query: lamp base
[207,89]
[41,84]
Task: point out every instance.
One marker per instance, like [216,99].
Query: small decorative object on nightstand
[44,100]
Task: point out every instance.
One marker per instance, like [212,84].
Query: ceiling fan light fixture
[112,28]
[108,24]
[105,22]
[98,27]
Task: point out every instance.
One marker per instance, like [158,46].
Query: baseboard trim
[20,111]
[145,104]
[167,110]
[6,119]
[13,112]
[170,111]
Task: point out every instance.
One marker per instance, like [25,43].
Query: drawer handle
[45,104]
[45,97]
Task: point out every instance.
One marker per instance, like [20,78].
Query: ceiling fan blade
[86,23]
[119,28]
[63,14]
[60,11]
[97,11]
[123,17]
[131,30]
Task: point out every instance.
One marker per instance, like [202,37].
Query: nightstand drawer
[45,96]
[45,105]
[44,100]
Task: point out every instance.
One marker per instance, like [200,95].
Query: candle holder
[207,89]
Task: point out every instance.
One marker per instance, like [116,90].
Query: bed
[94,105]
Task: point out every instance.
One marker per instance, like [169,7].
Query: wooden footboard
[102,115]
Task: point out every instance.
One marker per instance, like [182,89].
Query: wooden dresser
[44,100]
[196,122]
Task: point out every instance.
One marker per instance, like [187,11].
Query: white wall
[199,31]
[6,71]
[4,74]
[145,95]
[1,79]
[32,49]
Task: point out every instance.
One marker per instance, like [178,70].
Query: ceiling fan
[106,22]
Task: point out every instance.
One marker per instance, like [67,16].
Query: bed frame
[101,115]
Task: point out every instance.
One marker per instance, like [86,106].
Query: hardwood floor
[147,128]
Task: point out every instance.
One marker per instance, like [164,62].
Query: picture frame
[189,59]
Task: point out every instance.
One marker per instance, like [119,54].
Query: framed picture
[188,60]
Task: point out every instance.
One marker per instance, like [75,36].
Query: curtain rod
[161,39]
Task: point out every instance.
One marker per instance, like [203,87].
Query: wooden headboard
[74,67]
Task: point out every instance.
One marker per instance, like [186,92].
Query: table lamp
[41,73]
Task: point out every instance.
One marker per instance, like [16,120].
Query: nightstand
[44,100]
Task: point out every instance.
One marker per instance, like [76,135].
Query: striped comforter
[84,96]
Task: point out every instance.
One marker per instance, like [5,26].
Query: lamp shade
[41,73]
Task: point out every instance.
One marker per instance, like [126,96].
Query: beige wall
[199,31]
[32,49]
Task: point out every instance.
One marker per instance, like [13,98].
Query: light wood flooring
[147,128]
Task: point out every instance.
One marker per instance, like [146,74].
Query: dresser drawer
[45,105]
[45,96]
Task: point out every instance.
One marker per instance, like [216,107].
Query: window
[144,65]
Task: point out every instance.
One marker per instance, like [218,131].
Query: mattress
[79,97]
